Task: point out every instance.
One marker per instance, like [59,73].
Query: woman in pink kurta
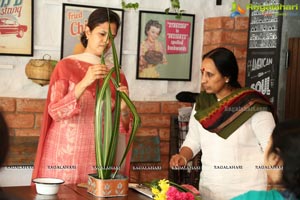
[66,147]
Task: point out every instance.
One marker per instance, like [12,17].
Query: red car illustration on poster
[11,26]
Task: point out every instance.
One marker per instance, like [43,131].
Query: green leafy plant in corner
[175,6]
[107,121]
[130,5]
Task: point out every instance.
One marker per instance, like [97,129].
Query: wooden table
[65,192]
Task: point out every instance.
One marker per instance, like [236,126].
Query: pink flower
[174,194]
[189,196]
[168,190]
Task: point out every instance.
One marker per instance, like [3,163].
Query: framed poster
[165,46]
[74,20]
[16,28]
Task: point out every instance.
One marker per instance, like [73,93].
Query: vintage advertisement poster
[74,19]
[165,46]
[16,27]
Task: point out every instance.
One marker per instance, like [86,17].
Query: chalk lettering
[259,63]
[263,86]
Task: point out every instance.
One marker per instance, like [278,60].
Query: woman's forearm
[79,89]
[186,152]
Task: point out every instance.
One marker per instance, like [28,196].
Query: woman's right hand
[178,160]
[93,73]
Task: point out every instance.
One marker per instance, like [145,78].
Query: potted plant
[108,182]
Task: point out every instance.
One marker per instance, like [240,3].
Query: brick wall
[24,116]
[155,117]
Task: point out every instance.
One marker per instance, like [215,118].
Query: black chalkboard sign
[263,51]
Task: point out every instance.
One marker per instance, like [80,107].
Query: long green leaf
[107,131]
[98,136]
[99,133]
[116,121]
[135,125]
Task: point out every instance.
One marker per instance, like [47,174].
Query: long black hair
[226,64]
[286,143]
[100,16]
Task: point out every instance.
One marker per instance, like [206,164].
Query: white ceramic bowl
[47,186]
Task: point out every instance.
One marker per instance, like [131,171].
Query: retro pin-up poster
[16,27]
[165,46]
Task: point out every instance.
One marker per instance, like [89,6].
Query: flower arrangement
[107,121]
[168,190]
[108,182]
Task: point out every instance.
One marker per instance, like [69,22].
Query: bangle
[184,158]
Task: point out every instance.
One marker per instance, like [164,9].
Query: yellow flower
[159,189]
[160,196]
[155,191]
[164,185]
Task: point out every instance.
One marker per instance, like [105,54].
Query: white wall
[47,39]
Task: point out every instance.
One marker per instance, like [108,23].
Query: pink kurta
[66,147]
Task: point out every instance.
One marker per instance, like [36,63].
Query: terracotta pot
[107,187]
